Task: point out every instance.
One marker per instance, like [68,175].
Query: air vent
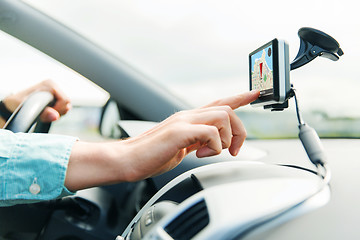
[189,223]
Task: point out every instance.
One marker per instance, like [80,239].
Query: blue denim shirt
[33,166]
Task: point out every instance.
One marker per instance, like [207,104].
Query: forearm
[2,122]
[5,111]
[96,164]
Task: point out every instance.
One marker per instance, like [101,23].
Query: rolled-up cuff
[35,168]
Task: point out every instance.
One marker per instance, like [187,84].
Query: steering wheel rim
[28,113]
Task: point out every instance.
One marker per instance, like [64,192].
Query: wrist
[121,157]
[5,113]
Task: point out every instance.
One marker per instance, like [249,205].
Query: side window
[23,66]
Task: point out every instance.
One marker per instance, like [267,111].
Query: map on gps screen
[262,71]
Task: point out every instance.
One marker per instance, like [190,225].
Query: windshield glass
[199,49]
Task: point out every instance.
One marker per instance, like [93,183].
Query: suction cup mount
[315,43]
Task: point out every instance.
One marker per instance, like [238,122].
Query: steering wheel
[28,113]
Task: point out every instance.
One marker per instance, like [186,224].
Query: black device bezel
[275,96]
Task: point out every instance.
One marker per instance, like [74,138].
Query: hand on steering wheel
[25,116]
[32,105]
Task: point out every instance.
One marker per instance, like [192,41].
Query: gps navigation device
[269,69]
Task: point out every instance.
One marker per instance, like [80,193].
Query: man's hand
[61,107]
[206,130]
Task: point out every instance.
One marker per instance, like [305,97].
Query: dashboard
[339,218]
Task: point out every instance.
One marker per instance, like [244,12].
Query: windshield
[199,50]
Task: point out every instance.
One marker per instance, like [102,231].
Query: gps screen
[262,76]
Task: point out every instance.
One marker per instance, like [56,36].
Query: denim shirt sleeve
[33,166]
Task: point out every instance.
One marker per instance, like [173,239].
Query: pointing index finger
[238,100]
